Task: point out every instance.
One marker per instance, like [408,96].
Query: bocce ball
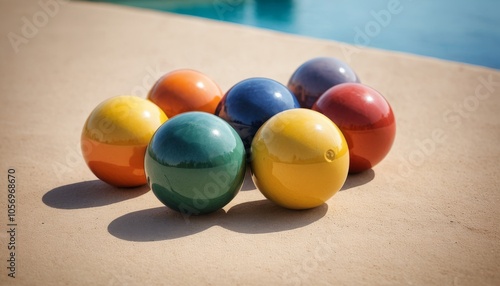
[299,159]
[251,102]
[317,75]
[195,163]
[366,120]
[185,90]
[115,137]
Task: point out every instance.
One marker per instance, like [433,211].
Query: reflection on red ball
[365,118]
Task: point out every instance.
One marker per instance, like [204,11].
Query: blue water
[459,30]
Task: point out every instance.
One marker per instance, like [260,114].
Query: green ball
[195,163]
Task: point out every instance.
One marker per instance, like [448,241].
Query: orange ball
[185,90]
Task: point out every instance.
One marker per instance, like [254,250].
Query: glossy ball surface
[299,159]
[316,76]
[195,163]
[366,120]
[251,102]
[185,90]
[115,137]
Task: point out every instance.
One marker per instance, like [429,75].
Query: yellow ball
[115,137]
[299,159]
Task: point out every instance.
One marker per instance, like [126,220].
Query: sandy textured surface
[427,215]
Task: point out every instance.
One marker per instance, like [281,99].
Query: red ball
[365,118]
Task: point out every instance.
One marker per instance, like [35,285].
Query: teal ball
[195,163]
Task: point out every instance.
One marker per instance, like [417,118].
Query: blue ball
[251,102]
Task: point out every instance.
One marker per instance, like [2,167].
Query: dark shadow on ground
[89,194]
[355,180]
[250,217]
[160,223]
[263,216]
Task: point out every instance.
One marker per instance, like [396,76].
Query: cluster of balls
[191,143]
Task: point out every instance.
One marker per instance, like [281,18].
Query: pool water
[458,30]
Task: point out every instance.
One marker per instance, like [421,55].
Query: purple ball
[316,76]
